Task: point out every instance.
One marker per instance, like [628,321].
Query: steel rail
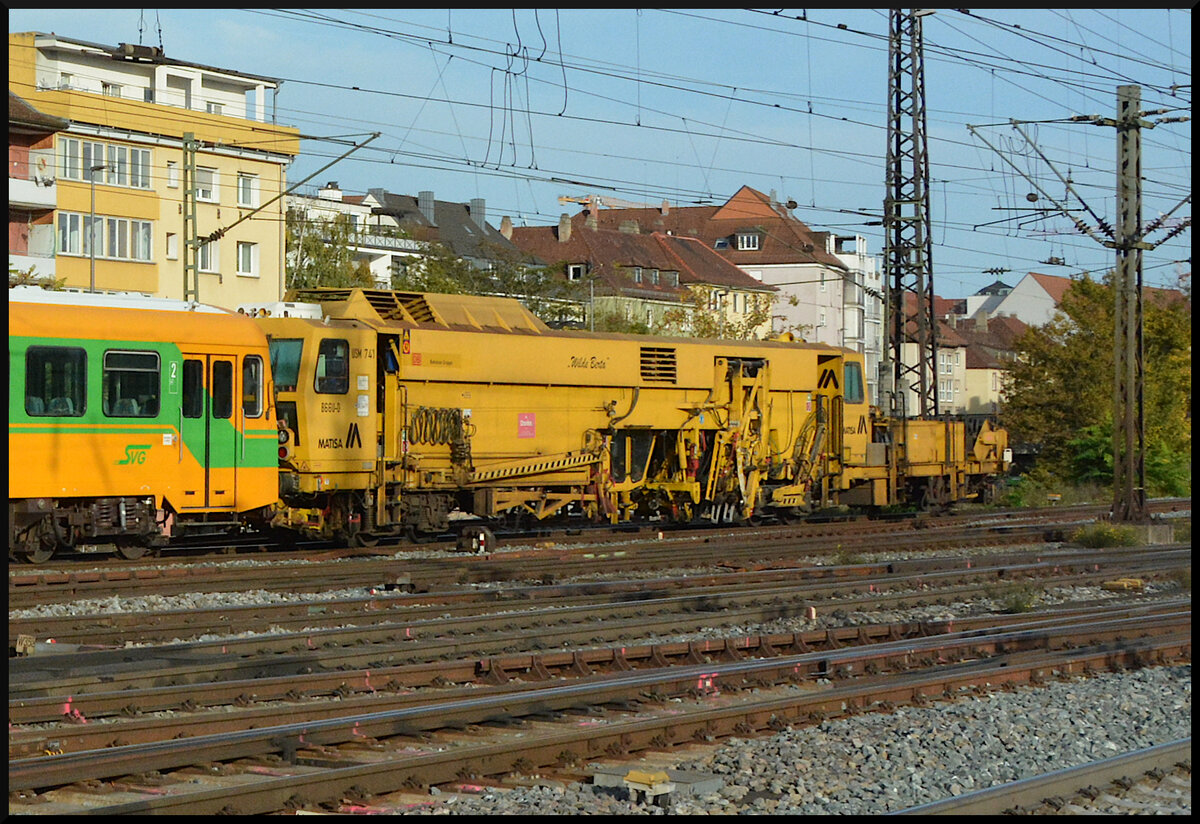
[1013,796]
[532,665]
[426,768]
[32,773]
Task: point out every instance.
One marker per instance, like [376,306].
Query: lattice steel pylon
[1129,414]
[908,248]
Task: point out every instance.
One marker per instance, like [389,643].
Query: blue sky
[522,107]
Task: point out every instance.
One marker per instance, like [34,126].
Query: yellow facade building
[129,110]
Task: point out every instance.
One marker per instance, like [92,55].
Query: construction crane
[596,201]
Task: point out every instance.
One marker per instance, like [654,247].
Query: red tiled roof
[783,238]
[699,264]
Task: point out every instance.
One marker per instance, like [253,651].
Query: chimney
[981,322]
[666,207]
[564,228]
[506,227]
[477,212]
[630,227]
[592,221]
[425,204]
[330,191]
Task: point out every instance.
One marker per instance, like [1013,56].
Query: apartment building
[138,126]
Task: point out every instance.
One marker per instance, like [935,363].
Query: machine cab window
[285,362]
[854,382]
[333,367]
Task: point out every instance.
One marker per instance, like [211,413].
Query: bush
[1015,598]
[1102,534]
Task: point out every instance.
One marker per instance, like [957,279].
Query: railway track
[1152,781]
[384,569]
[361,754]
[541,659]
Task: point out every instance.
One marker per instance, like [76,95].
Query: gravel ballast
[880,762]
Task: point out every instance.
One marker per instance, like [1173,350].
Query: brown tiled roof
[21,114]
[783,237]
[1056,286]
[699,264]
[609,254]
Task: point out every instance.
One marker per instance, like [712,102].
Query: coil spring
[435,425]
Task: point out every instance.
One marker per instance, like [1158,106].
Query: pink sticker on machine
[526,424]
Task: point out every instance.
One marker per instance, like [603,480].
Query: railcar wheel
[365,539]
[39,554]
[131,552]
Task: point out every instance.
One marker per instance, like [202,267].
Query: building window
[110,89]
[68,158]
[671,278]
[654,277]
[70,234]
[822,280]
[247,190]
[721,243]
[206,184]
[946,391]
[116,238]
[172,174]
[212,108]
[172,246]
[148,95]
[637,274]
[575,271]
[649,317]
[123,165]
[247,259]
[209,257]
[139,168]
[131,384]
[66,80]
[117,160]
[747,242]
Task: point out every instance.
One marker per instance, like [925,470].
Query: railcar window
[333,367]
[252,386]
[285,363]
[854,383]
[193,388]
[55,381]
[132,385]
[222,390]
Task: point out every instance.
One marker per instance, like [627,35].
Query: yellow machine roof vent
[658,364]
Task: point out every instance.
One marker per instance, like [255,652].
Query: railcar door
[208,427]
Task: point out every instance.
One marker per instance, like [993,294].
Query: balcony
[32,185]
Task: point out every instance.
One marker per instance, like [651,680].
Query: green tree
[30,277]
[321,252]
[695,318]
[1059,392]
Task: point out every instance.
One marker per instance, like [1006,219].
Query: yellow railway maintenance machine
[402,408]
[133,419]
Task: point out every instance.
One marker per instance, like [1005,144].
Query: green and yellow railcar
[133,420]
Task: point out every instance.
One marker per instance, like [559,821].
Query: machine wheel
[131,552]
[365,539]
